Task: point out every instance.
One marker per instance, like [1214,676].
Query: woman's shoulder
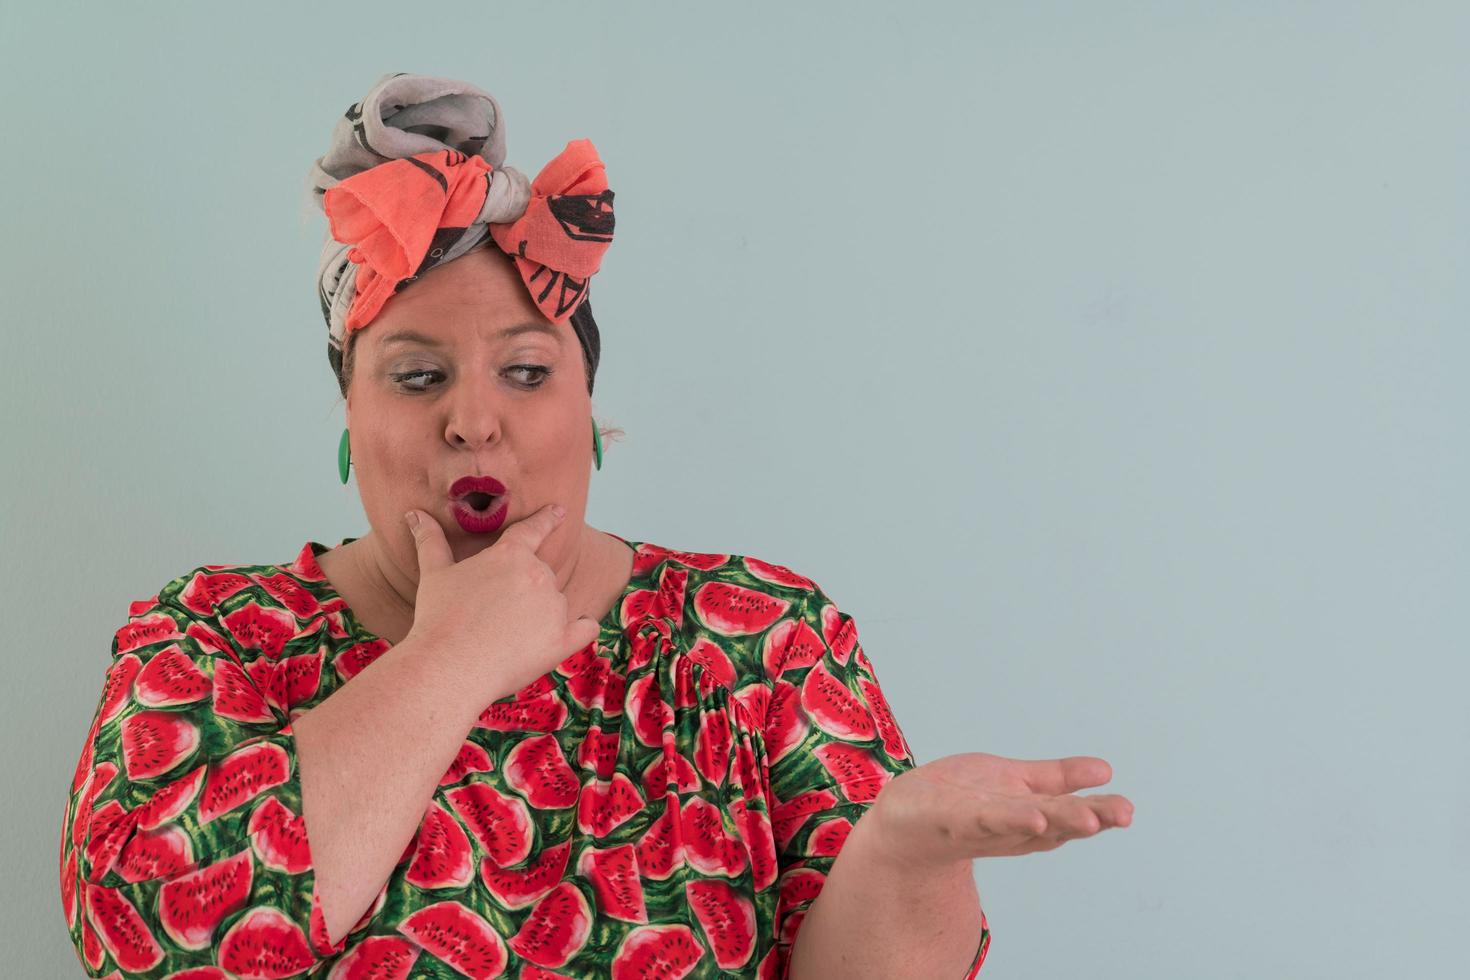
[714,573]
[252,604]
[756,609]
[204,589]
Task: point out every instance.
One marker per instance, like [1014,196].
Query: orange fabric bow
[391,212]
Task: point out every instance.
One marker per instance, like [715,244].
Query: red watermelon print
[666,802]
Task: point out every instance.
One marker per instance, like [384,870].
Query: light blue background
[1106,361]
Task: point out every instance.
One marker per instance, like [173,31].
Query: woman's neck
[381,596]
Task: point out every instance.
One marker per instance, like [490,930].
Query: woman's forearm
[875,918]
[369,757]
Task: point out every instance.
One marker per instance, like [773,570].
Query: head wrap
[414,178]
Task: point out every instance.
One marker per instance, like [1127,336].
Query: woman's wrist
[905,857]
[464,677]
[907,851]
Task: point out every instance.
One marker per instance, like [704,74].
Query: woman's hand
[979,805]
[500,609]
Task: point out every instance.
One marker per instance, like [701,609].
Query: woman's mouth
[480,513]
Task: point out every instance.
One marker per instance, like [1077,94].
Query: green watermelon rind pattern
[325,625]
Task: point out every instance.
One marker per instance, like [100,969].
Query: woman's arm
[187,802]
[835,746]
[370,756]
[876,918]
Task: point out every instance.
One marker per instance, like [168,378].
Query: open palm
[974,804]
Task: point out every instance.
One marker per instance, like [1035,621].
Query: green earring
[344,456]
[596,444]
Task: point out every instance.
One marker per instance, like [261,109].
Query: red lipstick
[479,503]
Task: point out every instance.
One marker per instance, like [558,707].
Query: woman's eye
[540,378]
[400,378]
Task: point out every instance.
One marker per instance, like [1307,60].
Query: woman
[487,739]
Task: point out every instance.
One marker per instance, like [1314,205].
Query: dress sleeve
[182,843]
[832,743]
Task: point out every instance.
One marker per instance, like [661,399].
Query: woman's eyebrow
[413,336]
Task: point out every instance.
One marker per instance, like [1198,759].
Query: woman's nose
[474,415]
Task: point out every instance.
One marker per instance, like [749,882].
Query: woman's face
[469,398]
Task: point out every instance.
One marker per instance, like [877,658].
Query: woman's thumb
[582,631]
[428,541]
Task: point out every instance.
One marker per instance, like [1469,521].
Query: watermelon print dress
[664,803]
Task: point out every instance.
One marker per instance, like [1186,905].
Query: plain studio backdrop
[1105,361]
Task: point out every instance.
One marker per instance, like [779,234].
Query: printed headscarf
[415,177]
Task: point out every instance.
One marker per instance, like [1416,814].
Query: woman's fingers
[1121,809]
[1025,824]
[1055,777]
[1044,816]
[1010,816]
[1068,817]
[980,805]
